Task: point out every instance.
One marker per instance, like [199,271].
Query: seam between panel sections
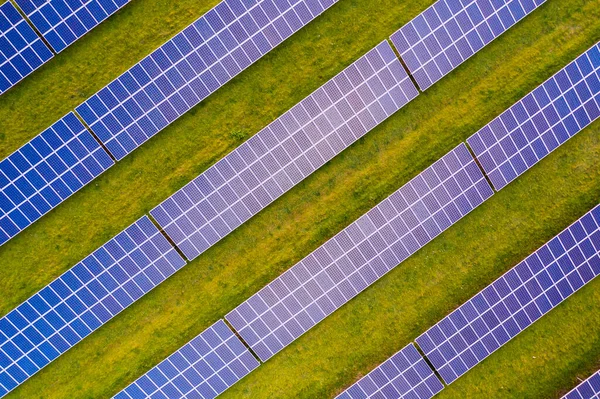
[429,363]
[161,231]
[242,340]
[487,178]
[399,56]
[37,32]
[89,129]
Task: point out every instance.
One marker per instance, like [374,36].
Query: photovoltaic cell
[286,151]
[21,50]
[46,171]
[406,375]
[361,253]
[202,369]
[450,31]
[516,300]
[62,22]
[541,121]
[588,389]
[82,300]
[191,66]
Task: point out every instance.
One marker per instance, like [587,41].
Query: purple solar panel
[544,119]
[361,253]
[516,300]
[406,375]
[588,389]
[451,31]
[285,152]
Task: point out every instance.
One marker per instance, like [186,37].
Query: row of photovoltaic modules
[588,389]
[188,68]
[60,23]
[324,302]
[45,171]
[21,50]
[199,60]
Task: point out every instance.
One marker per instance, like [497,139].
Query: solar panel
[46,171]
[516,300]
[191,66]
[62,22]
[202,369]
[588,389]
[361,253]
[451,31]
[541,121]
[82,300]
[21,50]
[406,375]
[285,152]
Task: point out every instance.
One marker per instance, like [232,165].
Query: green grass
[542,362]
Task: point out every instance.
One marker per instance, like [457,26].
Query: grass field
[542,362]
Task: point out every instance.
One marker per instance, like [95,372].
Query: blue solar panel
[62,22]
[46,171]
[202,369]
[21,50]
[406,375]
[450,31]
[516,300]
[541,121]
[361,254]
[191,66]
[83,299]
[588,389]
[285,152]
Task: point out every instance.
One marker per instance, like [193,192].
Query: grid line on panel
[405,375]
[21,50]
[191,66]
[541,121]
[285,152]
[202,369]
[62,22]
[361,253]
[516,300]
[588,389]
[46,171]
[82,299]
[451,31]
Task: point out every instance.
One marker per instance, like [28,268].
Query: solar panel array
[588,389]
[286,151]
[450,31]
[516,300]
[83,299]
[46,171]
[541,121]
[62,22]
[191,66]
[406,375]
[361,253]
[202,369]
[21,50]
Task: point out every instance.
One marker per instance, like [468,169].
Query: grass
[388,315]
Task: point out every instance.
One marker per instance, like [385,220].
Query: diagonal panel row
[285,152]
[362,253]
[451,31]
[406,375]
[202,369]
[191,66]
[46,171]
[62,22]
[21,50]
[83,299]
[516,300]
[540,122]
[588,389]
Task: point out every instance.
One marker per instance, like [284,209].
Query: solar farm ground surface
[542,362]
